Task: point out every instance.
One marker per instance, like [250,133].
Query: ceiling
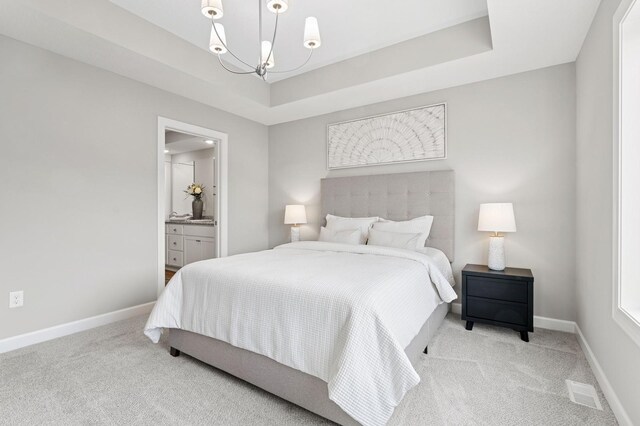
[177,143]
[369,54]
[341,38]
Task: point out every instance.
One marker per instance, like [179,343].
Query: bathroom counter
[203,222]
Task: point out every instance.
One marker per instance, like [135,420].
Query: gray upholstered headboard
[398,196]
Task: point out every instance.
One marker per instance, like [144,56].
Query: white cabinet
[198,248]
[189,243]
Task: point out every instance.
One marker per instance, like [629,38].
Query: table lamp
[295,214]
[496,218]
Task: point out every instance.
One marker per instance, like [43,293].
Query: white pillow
[348,236]
[420,225]
[393,239]
[338,223]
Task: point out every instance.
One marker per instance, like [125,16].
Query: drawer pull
[175,244]
[174,259]
[198,241]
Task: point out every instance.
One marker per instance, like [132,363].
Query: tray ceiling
[369,54]
[348,28]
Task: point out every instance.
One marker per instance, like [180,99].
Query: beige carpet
[114,375]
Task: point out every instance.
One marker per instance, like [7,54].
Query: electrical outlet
[16,299]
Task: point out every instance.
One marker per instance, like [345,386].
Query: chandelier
[212,9]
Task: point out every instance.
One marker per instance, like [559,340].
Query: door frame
[221,212]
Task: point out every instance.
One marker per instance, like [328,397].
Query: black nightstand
[503,298]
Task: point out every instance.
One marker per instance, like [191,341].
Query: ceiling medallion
[212,9]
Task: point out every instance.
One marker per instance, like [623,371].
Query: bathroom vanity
[188,242]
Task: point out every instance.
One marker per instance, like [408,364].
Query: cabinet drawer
[172,228]
[199,231]
[174,242]
[513,291]
[494,310]
[174,258]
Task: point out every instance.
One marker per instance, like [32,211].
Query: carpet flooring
[114,375]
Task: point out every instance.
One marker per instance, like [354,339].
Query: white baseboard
[539,322]
[28,339]
[554,324]
[612,398]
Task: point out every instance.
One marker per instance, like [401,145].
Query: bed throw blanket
[339,312]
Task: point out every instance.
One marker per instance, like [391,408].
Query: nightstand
[502,298]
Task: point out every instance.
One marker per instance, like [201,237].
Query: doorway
[188,153]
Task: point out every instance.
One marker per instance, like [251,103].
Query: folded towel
[181,217]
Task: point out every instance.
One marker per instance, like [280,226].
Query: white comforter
[341,313]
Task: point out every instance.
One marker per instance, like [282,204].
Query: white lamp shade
[217,44]
[277,6]
[212,9]
[497,217]
[295,214]
[266,48]
[311,33]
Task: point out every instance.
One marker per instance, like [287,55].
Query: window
[626,310]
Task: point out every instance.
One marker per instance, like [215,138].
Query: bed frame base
[302,389]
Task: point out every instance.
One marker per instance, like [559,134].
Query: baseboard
[612,398]
[28,339]
[539,322]
[554,324]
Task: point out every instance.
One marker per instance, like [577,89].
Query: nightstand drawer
[512,291]
[494,310]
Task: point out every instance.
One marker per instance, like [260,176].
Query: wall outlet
[16,299]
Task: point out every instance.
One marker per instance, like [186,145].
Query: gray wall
[77,144]
[510,139]
[617,354]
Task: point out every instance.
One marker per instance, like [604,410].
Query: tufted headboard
[398,196]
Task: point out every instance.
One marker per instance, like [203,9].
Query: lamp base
[295,234]
[496,254]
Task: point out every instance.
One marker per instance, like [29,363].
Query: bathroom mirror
[188,160]
[183,174]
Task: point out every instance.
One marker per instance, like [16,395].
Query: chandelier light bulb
[311,33]
[277,6]
[212,9]
[266,48]
[217,44]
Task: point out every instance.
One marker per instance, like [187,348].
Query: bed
[335,329]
